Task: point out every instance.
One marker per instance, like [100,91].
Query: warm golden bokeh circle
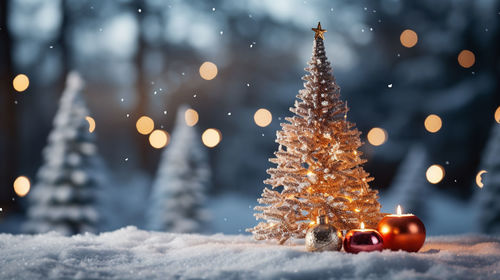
[466,58]
[191,117]
[377,136]
[433,123]
[22,186]
[91,122]
[435,173]
[479,179]
[208,70]
[158,139]
[497,115]
[21,82]
[262,117]
[408,38]
[145,125]
[211,137]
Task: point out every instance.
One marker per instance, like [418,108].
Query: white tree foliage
[489,195]
[178,192]
[63,198]
[410,187]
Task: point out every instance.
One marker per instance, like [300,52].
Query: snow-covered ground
[130,253]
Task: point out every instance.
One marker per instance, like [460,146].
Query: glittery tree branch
[319,167]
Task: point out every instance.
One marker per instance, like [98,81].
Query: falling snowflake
[389,85]
[165,112]
[126,159]
[229,113]
[221,32]
[139,10]
[213,9]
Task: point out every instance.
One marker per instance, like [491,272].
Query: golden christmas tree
[319,168]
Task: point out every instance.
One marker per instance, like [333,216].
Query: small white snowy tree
[489,195]
[63,198]
[410,188]
[178,191]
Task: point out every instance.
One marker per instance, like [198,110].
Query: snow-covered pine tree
[178,192]
[63,198]
[319,167]
[409,188]
[489,195]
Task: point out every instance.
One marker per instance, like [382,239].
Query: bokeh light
[22,186]
[208,70]
[21,82]
[433,123]
[158,139]
[91,122]
[497,115]
[377,136]
[145,125]
[435,173]
[262,117]
[479,180]
[466,58]
[191,117]
[211,137]
[408,38]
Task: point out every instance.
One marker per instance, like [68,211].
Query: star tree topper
[318,32]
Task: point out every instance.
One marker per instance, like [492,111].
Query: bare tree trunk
[142,91]
[8,112]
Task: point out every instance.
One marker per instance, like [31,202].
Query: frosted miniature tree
[409,187]
[178,192]
[63,198]
[319,168]
[489,195]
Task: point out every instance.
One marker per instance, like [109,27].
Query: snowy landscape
[220,139]
[129,253]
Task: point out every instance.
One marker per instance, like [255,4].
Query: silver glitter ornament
[323,237]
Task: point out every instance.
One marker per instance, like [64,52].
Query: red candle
[363,240]
[402,232]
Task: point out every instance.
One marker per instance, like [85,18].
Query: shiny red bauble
[363,240]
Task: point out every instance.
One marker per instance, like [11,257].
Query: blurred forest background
[143,57]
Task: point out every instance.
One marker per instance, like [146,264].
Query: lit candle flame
[399,210]
[362,225]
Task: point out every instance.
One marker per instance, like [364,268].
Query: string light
[408,38]
[91,122]
[435,173]
[211,137]
[466,58]
[262,117]
[22,186]
[208,70]
[191,117]
[377,136]
[497,115]
[145,125]
[158,139]
[479,180]
[21,82]
[433,123]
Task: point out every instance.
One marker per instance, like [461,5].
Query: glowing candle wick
[399,210]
